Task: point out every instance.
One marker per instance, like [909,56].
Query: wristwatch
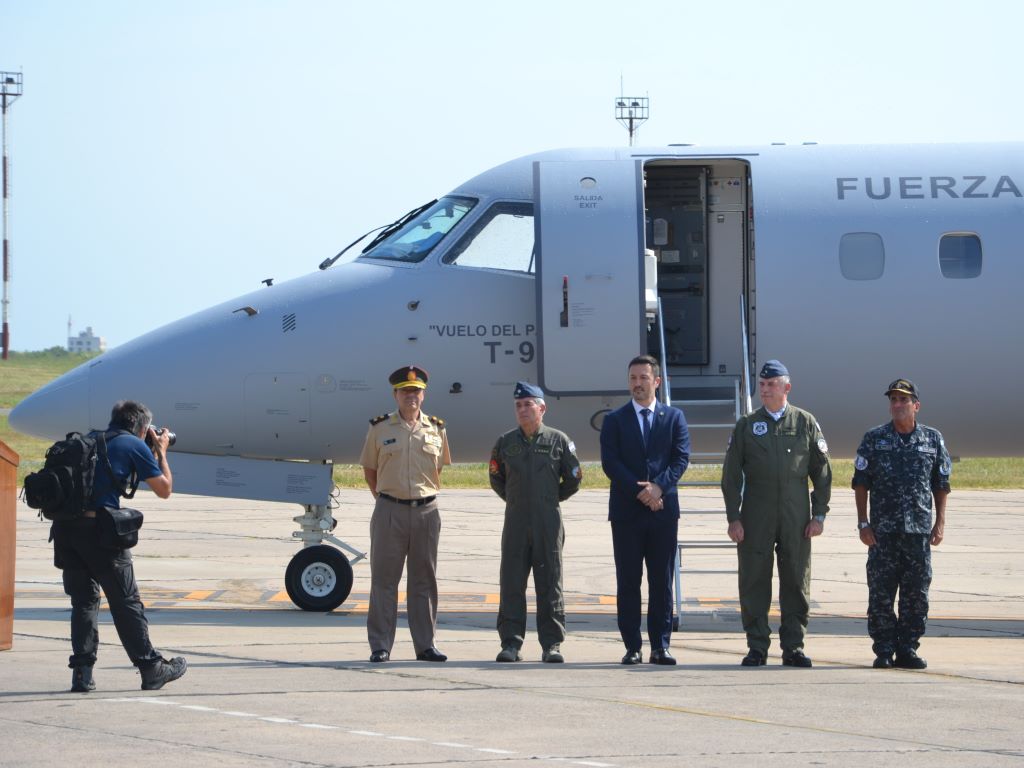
[863,524]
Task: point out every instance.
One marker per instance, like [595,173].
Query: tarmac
[270,685]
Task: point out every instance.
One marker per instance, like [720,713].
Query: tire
[318,578]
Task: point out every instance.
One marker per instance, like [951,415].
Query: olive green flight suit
[764,481]
[533,475]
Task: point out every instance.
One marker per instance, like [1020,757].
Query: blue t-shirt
[125,452]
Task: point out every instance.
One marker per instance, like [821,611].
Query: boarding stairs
[712,406]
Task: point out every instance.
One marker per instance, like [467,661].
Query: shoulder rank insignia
[439,423]
[378,419]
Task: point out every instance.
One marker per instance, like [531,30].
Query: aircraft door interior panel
[676,229]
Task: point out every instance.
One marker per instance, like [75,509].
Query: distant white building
[85,341]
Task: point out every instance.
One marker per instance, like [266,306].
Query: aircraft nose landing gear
[319,577]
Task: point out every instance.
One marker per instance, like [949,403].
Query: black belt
[408,502]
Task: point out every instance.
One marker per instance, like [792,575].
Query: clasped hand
[650,495]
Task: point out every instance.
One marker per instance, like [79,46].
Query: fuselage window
[861,256]
[501,239]
[960,256]
[412,241]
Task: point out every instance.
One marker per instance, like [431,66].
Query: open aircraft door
[590,308]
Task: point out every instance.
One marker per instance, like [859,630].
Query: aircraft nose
[60,407]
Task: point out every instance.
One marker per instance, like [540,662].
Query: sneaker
[552,656]
[508,653]
[81,680]
[163,672]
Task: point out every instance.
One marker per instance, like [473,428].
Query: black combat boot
[163,672]
[81,680]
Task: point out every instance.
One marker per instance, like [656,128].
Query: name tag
[926,449]
[389,441]
[883,445]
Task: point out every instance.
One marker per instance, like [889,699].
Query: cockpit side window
[420,236]
[502,238]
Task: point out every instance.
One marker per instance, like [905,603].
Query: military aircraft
[853,265]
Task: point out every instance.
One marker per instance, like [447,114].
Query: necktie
[646,413]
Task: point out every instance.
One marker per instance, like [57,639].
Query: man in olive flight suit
[533,468]
[771,455]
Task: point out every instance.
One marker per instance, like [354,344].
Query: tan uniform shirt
[408,460]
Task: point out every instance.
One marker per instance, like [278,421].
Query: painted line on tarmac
[357,602]
[354,732]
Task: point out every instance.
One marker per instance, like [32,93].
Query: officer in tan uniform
[402,460]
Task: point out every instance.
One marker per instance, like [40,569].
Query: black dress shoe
[882,661]
[662,656]
[910,660]
[81,680]
[431,654]
[380,656]
[633,657]
[754,658]
[795,659]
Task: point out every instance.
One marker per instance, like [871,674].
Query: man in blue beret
[533,468]
[772,453]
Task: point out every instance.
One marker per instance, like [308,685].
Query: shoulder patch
[436,421]
[378,419]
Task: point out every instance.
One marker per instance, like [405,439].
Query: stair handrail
[666,387]
[746,356]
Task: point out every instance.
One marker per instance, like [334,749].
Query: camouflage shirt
[901,472]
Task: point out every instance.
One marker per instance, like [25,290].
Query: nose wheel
[318,578]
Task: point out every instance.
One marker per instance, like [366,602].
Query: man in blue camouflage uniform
[904,466]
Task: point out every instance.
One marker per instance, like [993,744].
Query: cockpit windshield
[412,240]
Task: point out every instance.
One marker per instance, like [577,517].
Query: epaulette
[439,423]
[378,419]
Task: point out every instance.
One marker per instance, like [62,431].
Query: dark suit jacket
[626,462]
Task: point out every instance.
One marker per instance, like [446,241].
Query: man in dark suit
[645,448]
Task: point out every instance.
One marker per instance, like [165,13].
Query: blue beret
[526,389]
[772,369]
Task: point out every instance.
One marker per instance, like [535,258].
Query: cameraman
[88,564]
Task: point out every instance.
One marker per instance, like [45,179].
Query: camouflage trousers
[903,562]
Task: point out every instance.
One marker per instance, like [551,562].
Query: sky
[167,156]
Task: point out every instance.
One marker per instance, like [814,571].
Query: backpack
[63,488]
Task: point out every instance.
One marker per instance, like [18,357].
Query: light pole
[631,111]
[10,90]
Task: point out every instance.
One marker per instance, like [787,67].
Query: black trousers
[651,541]
[88,566]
